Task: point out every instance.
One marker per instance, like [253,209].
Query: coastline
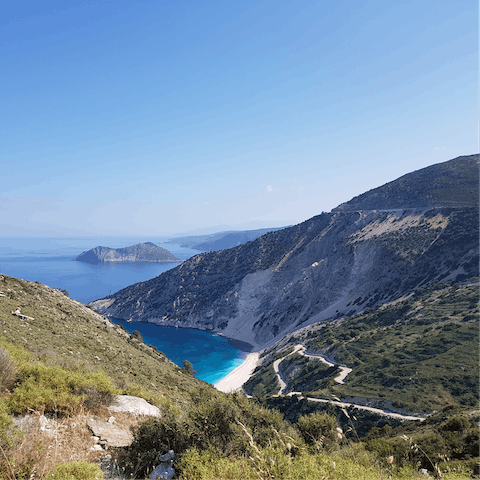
[235,379]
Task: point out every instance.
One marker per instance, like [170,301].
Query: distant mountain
[140,252]
[379,247]
[220,240]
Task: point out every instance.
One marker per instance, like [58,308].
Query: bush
[215,421]
[274,462]
[76,471]
[152,438]
[456,424]
[188,367]
[54,389]
[137,336]
[318,429]
[7,371]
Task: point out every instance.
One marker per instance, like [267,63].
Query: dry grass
[70,440]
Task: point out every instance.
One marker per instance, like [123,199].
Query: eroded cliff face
[332,265]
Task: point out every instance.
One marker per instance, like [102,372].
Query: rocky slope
[378,247]
[140,252]
[221,240]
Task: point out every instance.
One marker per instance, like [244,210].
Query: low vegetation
[229,436]
[213,435]
[418,354]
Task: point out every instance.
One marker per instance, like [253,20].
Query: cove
[212,356]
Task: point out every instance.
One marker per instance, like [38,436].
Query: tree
[137,336]
[188,367]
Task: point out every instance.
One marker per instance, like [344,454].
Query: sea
[50,261]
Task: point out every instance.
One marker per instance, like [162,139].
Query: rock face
[140,252]
[111,435]
[378,247]
[134,406]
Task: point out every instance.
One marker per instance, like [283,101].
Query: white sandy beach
[234,380]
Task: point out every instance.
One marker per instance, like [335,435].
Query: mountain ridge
[329,266]
[221,240]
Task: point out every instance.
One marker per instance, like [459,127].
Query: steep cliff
[379,247]
[140,252]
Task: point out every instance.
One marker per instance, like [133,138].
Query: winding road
[340,379]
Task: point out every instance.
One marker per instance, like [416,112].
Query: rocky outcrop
[110,435]
[134,406]
[140,252]
[376,248]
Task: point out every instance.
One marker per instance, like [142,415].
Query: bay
[50,261]
[211,355]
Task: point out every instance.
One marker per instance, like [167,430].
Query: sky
[162,118]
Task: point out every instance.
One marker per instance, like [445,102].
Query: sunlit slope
[65,332]
[334,264]
[418,354]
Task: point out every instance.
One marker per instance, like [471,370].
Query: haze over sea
[49,261]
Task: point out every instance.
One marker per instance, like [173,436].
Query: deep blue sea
[49,261]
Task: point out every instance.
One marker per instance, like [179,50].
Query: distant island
[140,252]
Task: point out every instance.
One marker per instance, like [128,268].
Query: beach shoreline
[235,379]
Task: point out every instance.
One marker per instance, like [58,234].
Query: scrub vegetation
[418,354]
[67,363]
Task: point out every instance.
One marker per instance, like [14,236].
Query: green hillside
[418,354]
[66,361]
[67,333]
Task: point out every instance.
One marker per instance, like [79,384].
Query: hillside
[64,331]
[418,354]
[334,265]
[53,357]
[220,240]
[140,252]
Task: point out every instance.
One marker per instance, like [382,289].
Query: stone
[167,457]
[109,434]
[133,405]
[26,423]
[46,425]
[96,448]
[164,471]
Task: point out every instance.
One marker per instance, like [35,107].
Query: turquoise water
[49,261]
[212,356]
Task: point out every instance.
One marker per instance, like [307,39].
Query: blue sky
[155,118]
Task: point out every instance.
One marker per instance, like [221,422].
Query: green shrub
[137,336]
[5,422]
[152,438]
[7,371]
[318,429]
[456,424]
[274,462]
[188,367]
[215,421]
[54,389]
[384,448]
[76,471]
